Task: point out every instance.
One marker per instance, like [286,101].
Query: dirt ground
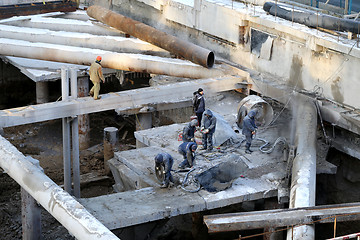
[43,141]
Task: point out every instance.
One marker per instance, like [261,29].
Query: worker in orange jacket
[96,75]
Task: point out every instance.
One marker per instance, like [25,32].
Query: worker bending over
[187,149]
[167,161]
[189,131]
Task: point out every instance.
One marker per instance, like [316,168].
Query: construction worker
[167,161]
[208,126]
[189,131]
[96,75]
[187,149]
[249,128]
[199,104]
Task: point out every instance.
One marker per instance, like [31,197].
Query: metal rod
[64,83]
[75,156]
[66,154]
[73,82]
[179,47]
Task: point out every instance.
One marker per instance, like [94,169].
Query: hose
[185,180]
[278,140]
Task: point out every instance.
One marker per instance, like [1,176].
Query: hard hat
[98,58]
[159,158]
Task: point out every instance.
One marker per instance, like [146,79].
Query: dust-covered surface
[43,141]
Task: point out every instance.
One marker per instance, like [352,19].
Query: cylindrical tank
[265,111]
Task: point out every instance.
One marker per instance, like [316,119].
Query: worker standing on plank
[249,128]
[189,131]
[96,75]
[166,161]
[187,149]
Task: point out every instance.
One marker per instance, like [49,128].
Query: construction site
[76,167]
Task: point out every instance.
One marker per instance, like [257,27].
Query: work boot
[97,98]
[248,151]
[91,94]
[164,185]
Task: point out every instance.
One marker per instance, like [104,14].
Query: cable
[278,140]
[185,180]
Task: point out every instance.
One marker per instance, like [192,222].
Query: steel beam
[282,217]
[122,101]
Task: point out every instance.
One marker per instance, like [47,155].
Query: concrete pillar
[42,92]
[110,140]
[31,217]
[83,120]
[303,179]
[143,121]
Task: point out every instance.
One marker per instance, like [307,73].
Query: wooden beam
[121,101]
[282,217]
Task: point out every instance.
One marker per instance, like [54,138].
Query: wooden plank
[122,101]
[282,217]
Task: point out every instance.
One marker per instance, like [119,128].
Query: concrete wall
[292,53]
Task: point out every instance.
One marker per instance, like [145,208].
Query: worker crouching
[165,161]
[187,149]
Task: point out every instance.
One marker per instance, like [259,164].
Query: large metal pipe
[303,179]
[69,212]
[179,47]
[108,43]
[121,61]
[313,20]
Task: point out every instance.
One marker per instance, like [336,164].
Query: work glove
[206,130]
[202,129]
[192,140]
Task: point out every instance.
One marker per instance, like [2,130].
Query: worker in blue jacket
[167,160]
[187,149]
[249,128]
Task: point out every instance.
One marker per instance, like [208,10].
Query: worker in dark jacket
[189,131]
[187,149]
[208,126]
[199,104]
[167,161]
[249,128]
[96,75]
